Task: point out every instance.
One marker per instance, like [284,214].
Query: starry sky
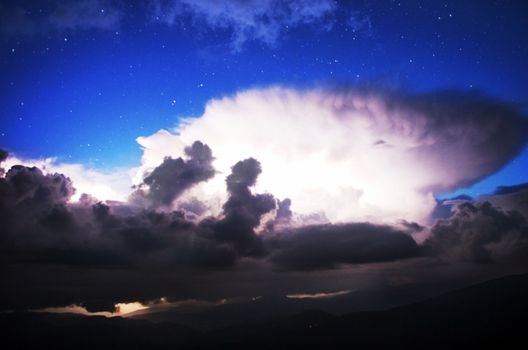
[81,80]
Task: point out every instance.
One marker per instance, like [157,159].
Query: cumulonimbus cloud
[44,232]
[350,154]
[278,156]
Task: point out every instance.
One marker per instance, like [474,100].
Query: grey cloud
[111,244]
[284,211]
[283,216]
[510,198]
[170,179]
[481,233]
[3,156]
[30,186]
[55,253]
[41,226]
[477,134]
[502,190]
[329,246]
[243,210]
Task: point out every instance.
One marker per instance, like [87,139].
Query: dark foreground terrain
[490,314]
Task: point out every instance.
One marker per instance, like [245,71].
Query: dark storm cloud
[328,246]
[284,211]
[55,252]
[42,233]
[3,156]
[243,210]
[170,179]
[30,187]
[481,233]
[501,190]
[41,226]
[510,198]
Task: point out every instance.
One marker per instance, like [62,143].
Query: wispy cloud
[360,23]
[20,20]
[260,20]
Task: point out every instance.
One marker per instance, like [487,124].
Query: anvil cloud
[350,154]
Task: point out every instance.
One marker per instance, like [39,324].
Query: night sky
[83,87]
[359,118]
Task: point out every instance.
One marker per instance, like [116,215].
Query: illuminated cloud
[350,154]
[284,160]
[120,309]
[321,295]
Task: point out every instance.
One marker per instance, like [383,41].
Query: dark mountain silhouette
[492,314]
[39,330]
[207,317]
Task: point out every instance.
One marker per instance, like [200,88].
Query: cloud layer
[56,252]
[277,190]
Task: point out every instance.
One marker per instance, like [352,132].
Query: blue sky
[81,80]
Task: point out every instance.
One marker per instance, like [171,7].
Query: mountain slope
[492,313]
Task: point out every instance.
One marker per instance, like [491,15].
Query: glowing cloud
[349,154]
[121,309]
[321,295]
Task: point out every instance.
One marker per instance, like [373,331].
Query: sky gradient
[85,88]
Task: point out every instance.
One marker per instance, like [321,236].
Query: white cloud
[352,155]
[341,156]
[121,310]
